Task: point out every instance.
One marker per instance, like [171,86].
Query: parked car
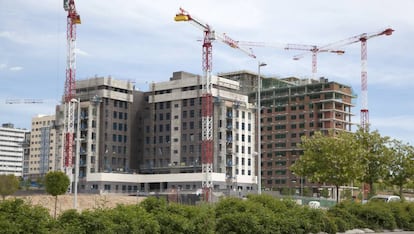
[385,198]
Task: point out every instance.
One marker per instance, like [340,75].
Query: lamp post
[259,130]
[77,156]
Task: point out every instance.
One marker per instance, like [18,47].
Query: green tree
[331,159]
[375,156]
[9,184]
[56,183]
[401,168]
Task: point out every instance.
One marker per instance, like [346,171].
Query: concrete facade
[43,156]
[107,114]
[173,131]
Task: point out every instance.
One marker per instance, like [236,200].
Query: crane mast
[207,146]
[363,38]
[73,18]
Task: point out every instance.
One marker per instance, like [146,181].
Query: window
[115,114]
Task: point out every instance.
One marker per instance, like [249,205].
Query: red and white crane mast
[207,146]
[363,38]
[73,18]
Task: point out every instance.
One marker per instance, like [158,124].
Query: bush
[403,213]
[377,216]
[19,217]
[343,217]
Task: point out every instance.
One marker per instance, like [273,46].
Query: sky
[139,41]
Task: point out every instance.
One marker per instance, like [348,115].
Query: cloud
[16,68]
[4,66]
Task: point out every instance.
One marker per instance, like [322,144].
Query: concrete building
[44,156]
[11,149]
[292,108]
[173,132]
[108,111]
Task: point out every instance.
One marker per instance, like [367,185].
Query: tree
[332,159]
[401,168]
[9,184]
[375,156]
[56,183]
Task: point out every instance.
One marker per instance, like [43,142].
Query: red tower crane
[363,38]
[73,19]
[207,146]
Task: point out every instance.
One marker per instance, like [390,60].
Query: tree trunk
[55,206]
[337,194]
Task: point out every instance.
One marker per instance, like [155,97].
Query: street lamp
[259,130]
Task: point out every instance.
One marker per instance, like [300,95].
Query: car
[385,198]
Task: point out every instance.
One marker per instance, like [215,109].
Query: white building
[11,149]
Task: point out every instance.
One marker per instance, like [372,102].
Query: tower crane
[314,49]
[207,99]
[73,19]
[363,38]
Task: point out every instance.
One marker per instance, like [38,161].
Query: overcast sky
[140,41]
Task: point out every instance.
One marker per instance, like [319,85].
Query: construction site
[192,137]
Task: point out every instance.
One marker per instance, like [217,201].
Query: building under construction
[292,108]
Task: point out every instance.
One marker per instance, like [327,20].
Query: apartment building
[173,132]
[11,149]
[292,108]
[43,156]
[108,111]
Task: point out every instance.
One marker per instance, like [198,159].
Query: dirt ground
[85,201]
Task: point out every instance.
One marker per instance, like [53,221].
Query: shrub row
[257,214]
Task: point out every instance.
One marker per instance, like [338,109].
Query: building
[173,132]
[108,111]
[11,149]
[43,156]
[26,154]
[292,108]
